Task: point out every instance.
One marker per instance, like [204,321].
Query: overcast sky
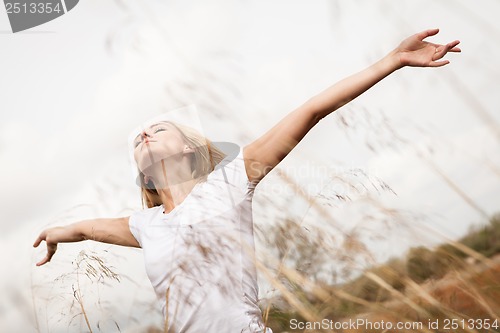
[74,89]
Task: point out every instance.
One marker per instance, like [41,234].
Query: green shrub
[486,239]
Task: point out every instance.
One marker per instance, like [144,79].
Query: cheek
[169,142]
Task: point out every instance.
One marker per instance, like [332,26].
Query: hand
[413,51]
[48,236]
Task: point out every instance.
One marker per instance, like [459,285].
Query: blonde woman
[197,232]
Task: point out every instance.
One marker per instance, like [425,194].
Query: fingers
[441,51]
[44,260]
[439,63]
[37,242]
[51,250]
[39,239]
[431,32]
[427,33]
[452,47]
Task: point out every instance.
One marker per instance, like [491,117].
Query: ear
[188,149]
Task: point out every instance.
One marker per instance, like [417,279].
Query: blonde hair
[204,160]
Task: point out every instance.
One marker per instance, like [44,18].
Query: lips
[147,142]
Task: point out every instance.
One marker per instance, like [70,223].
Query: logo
[26,14]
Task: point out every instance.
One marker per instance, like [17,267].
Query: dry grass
[394,293]
[319,269]
[459,284]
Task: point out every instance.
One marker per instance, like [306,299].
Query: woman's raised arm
[262,155]
[106,230]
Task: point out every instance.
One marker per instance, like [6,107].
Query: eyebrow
[157,124]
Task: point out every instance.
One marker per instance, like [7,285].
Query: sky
[75,88]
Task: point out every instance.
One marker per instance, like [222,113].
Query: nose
[145,134]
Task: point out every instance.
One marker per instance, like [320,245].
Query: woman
[197,233]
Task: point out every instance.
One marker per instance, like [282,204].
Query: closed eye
[158,129]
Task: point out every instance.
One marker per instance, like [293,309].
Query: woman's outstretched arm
[262,155]
[107,230]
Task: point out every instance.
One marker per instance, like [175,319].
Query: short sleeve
[141,220]
[134,223]
[232,171]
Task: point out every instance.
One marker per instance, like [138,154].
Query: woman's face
[158,142]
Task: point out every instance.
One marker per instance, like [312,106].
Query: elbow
[317,116]
[312,108]
[319,109]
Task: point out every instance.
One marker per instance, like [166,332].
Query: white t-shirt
[199,257]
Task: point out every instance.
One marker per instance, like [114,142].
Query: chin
[148,158]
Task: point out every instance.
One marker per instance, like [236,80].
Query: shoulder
[145,215]
[232,169]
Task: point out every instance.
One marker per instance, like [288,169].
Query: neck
[172,186]
[175,194]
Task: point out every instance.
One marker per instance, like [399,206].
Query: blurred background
[379,203]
